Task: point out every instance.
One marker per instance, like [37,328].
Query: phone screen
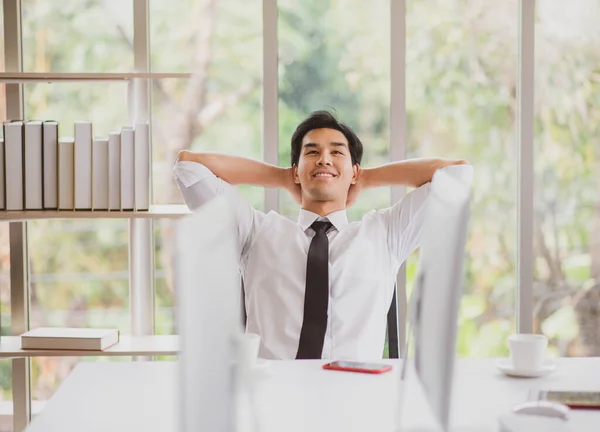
[358,365]
[572,398]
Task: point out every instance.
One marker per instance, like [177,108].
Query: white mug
[528,351]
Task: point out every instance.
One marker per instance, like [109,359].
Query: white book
[142,166]
[13,164]
[66,174]
[100,174]
[2,201]
[33,165]
[50,152]
[83,165]
[127,169]
[54,338]
[114,170]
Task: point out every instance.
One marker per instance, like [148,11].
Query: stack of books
[40,171]
[74,339]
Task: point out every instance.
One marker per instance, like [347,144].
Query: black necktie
[316,295]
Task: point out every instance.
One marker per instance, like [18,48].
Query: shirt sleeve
[199,185]
[404,222]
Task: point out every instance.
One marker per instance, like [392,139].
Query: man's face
[325,171]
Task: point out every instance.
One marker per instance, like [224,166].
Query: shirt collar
[339,219]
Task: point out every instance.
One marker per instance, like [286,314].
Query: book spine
[13,162]
[100,174]
[142,166]
[83,165]
[127,169]
[114,170]
[57,343]
[50,153]
[2,176]
[66,184]
[33,166]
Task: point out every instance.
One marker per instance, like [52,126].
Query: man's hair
[326,120]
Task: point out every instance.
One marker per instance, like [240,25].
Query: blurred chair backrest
[207,281]
[243,314]
[392,328]
[396,318]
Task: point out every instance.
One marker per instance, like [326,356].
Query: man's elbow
[184,155]
[444,163]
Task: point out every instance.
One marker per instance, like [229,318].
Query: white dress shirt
[364,258]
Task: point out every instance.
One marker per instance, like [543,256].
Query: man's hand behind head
[291,186]
[355,189]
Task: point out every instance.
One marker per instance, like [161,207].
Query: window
[217,109]
[567,162]
[461,64]
[77,36]
[79,273]
[102,103]
[335,56]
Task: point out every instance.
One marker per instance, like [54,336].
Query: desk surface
[299,395]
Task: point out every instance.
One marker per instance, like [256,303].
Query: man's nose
[325,159]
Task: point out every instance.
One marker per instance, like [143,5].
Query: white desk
[299,396]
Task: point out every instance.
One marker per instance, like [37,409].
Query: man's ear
[295,174]
[355,174]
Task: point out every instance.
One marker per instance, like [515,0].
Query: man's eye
[338,152]
[311,152]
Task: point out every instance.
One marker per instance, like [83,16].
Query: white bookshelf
[10,347]
[137,89]
[166,211]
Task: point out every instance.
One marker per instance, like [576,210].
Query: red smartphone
[350,366]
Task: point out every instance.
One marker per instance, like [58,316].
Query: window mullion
[141,240]
[19,258]
[525,94]
[270,96]
[398,135]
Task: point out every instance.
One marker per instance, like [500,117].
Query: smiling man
[321,286]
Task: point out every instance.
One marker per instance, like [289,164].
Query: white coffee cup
[528,351]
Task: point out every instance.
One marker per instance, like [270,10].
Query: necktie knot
[321,226]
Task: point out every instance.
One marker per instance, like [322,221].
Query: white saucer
[506,366]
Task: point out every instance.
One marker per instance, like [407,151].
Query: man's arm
[410,172]
[237,170]
[405,218]
[203,176]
